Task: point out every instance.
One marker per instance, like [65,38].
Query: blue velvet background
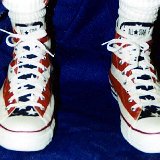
[86,114]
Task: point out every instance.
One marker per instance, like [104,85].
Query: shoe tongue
[26,29]
[136,29]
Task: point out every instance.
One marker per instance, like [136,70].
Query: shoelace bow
[36,80]
[131,51]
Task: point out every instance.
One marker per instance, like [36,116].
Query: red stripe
[47,93]
[116,62]
[42,40]
[7,95]
[124,96]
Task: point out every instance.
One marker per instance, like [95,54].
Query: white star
[22,107]
[155,114]
[158,108]
[31,112]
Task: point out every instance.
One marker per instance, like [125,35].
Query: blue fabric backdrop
[86,114]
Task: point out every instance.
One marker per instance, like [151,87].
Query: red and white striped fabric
[135,86]
[26,98]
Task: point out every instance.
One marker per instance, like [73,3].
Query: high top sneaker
[135,86]
[26,99]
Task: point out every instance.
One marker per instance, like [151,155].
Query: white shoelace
[37,80]
[130,51]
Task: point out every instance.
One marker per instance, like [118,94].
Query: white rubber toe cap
[144,134]
[149,125]
[22,123]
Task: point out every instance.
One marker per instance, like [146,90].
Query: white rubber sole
[145,142]
[26,141]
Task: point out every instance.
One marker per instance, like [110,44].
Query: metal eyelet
[10,101]
[133,109]
[130,100]
[43,98]
[124,83]
[120,62]
[123,73]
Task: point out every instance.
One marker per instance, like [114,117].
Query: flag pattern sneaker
[135,85]
[27,102]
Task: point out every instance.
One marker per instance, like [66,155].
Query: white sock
[139,10]
[26,12]
[24,6]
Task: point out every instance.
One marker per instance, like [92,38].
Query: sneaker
[135,85]
[27,102]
